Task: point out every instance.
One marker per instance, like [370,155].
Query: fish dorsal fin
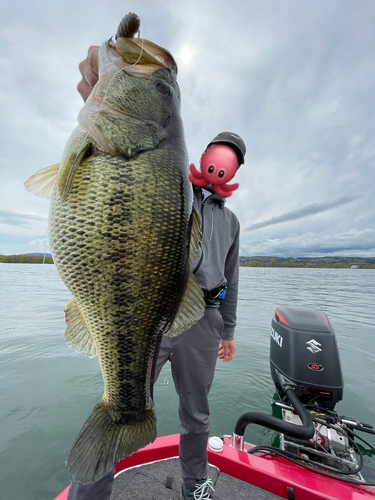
[77,335]
[42,183]
[192,304]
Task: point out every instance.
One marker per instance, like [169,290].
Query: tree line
[26,259]
[325,262]
[305,264]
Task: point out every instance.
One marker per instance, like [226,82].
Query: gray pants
[193,356]
[101,490]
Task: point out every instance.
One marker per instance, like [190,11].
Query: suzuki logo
[313,346]
[276,337]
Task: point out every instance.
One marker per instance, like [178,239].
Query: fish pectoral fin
[192,305]
[195,235]
[191,308]
[42,183]
[77,335]
[71,162]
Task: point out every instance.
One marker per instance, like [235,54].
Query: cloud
[295,79]
[309,244]
[19,220]
[40,243]
[307,211]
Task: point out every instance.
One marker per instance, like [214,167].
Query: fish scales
[132,267]
[123,234]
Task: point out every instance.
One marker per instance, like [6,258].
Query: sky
[294,78]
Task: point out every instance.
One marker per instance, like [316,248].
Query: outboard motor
[306,370]
[304,351]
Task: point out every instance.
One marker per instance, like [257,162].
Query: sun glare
[186,55]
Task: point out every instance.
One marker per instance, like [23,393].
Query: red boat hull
[270,473]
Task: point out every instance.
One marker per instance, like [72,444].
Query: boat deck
[161,480]
[153,473]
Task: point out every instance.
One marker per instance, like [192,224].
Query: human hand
[227,350]
[89,71]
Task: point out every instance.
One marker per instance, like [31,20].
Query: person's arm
[228,308]
[89,71]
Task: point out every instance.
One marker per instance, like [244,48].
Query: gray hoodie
[217,260]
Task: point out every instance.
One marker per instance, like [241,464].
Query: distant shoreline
[310,262]
[257,261]
[26,259]
[310,266]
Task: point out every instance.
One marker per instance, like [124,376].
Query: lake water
[48,390]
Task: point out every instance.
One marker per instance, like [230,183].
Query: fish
[123,233]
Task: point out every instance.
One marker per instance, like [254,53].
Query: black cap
[232,140]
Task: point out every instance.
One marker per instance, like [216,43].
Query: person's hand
[227,350]
[89,71]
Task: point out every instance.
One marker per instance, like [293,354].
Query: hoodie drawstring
[212,223]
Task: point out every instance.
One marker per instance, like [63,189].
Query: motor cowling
[303,349]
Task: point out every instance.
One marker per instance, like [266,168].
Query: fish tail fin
[102,443]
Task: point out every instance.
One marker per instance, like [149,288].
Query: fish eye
[163,88]
[211,169]
[221,173]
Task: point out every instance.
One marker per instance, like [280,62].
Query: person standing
[194,353]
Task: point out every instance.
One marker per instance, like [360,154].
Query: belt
[216,293]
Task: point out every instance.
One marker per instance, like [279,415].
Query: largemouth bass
[122,233]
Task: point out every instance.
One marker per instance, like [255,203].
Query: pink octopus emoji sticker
[218,166]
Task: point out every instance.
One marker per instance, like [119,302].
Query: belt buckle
[217,292]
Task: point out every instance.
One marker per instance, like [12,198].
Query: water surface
[48,390]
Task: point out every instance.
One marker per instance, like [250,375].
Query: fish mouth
[140,57]
[135,51]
